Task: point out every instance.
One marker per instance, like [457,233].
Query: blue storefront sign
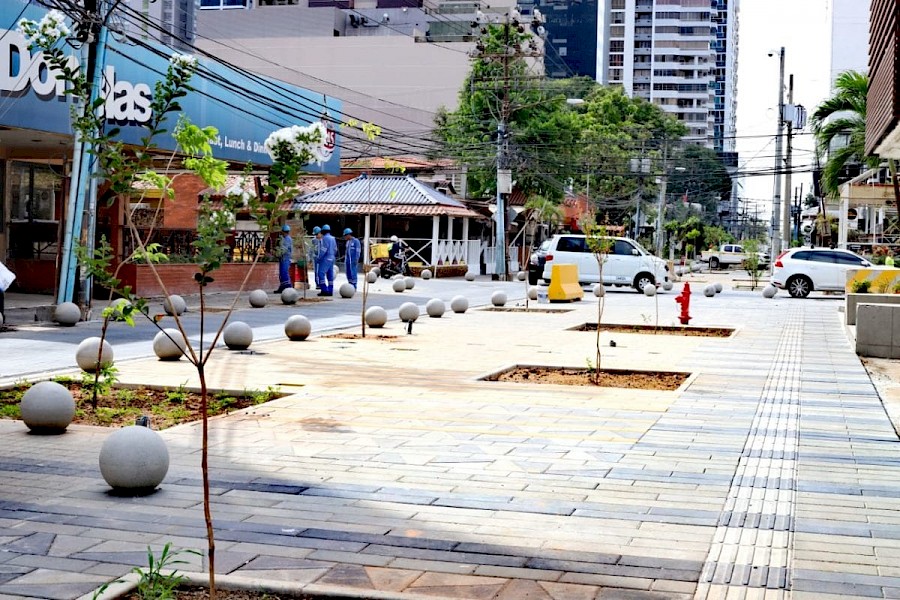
[244,107]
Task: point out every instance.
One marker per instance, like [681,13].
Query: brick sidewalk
[392,467]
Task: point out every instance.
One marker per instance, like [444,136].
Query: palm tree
[848,108]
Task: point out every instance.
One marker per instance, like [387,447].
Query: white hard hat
[393,238]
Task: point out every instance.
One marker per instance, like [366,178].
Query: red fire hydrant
[684,299]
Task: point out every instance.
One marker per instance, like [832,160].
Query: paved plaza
[391,466]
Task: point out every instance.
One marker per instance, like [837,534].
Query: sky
[766,25]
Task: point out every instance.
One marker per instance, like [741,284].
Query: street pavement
[392,467]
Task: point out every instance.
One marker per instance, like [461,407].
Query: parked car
[626,263]
[731,254]
[803,270]
[536,263]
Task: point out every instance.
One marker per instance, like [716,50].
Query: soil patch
[122,405]
[528,310]
[616,378]
[223,594]
[686,330]
[357,336]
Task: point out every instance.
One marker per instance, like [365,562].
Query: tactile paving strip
[751,547]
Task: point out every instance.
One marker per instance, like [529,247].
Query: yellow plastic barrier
[882,280]
[564,284]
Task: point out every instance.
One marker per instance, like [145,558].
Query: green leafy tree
[839,125]
[541,130]
[698,173]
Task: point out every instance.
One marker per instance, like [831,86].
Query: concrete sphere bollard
[521,275]
[435,308]
[650,290]
[337,269]
[408,312]
[169,344]
[410,283]
[134,459]
[533,293]
[377,271]
[371,276]
[346,290]
[718,287]
[398,276]
[174,305]
[67,314]
[289,296]
[297,328]
[47,407]
[498,298]
[399,285]
[88,351]
[376,317]
[769,291]
[470,276]
[118,307]
[667,286]
[237,335]
[258,298]
[709,291]
[599,290]
[459,304]
[426,274]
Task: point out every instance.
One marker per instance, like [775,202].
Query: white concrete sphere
[410,283]
[679,271]
[174,305]
[346,290]
[426,274]
[521,275]
[88,351]
[470,276]
[398,276]
[376,317]
[498,298]
[718,287]
[47,407]
[377,271]
[769,291]
[237,335]
[408,312]
[599,290]
[118,305]
[258,298]
[399,285]
[649,290]
[289,296]
[169,344]
[533,293]
[67,314]
[372,276]
[337,269]
[667,286]
[435,308]
[134,458]
[297,328]
[459,304]
[709,291]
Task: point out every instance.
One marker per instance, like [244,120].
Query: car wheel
[642,280]
[713,263]
[799,286]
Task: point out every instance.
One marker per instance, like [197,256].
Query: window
[571,244]
[34,190]
[623,248]
[843,258]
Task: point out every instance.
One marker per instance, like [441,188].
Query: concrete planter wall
[878,330]
[179,278]
[853,300]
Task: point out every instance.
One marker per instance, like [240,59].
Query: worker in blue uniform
[285,250]
[351,256]
[327,254]
[314,254]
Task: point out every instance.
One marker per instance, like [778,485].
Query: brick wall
[182,213]
[179,278]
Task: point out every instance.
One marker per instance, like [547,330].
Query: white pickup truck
[728,255]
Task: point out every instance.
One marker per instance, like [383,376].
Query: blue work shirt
[327,247]
[354,249]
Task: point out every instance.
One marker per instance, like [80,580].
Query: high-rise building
[678,54]
[168,21]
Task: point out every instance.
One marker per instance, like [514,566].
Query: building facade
[679,54]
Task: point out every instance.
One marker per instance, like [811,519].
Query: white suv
[803,270]
[626,263]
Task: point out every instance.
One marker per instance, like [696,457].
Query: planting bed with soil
[224,594]
[615,378]
[686,330]
[357,336]
[527,310]
[122,405]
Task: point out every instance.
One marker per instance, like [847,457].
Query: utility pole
[788,167]
[661,205]
[511,50]
[774,227]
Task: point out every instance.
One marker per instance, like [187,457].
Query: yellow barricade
[564,284]
[881,280]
